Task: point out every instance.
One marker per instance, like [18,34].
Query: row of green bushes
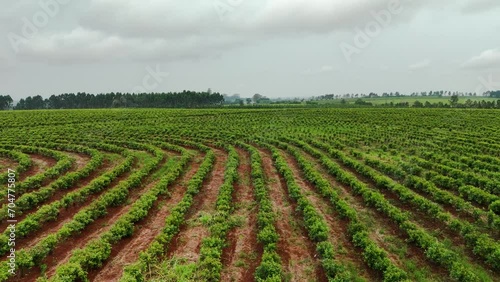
[50,212]
[438,195]
[23,162]
[376,257]
[269,269]
[434,250]
[64,163]
[93,255]
[467,178]
[315,224]
[482,245]
[33,199]
[210,264]
[98,208]
[157,249]
[485,169]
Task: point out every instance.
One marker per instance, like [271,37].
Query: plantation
[277,194]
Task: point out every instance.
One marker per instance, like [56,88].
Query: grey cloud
[477,6]
[420,65]
[487,59]
[121,30]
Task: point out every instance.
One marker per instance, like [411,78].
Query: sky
[278,48]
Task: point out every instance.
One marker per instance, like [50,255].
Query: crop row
[210,264]
[157,249]
[481,243]
[270,268]
[33,182]
[30,200]
[23,160]
[93,255]
[434,250]
[315,224]
[113,197]
[436,194]
[376,257]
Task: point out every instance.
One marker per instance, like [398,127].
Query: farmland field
[252,195]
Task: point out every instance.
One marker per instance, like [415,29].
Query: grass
[174,270]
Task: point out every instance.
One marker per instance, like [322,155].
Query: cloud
[487,59]
[478,6]
[420,65]
[322,70]
[172,29]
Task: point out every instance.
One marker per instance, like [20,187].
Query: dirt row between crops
[347,253]
[297,252]
[244,253]
[380,226]
[422,219]
[39,164]
[448,207]
[66,215]
[6,163]
[60,193]
[128,250]
[43,163]
[63,250]
[62,253]
[81,160]
[187,243]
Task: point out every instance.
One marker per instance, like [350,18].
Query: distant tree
[468,103]
[454,100]
[249,100]
[241,102]
[418,104]
[5,102]
[256,97]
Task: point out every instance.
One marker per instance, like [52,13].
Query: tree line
[82,100]
[439,94]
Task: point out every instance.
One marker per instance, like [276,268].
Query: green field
[292,194]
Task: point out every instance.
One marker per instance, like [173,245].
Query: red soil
[6,163]
[63,250]
[242,239]
[297,252]
[39,165]
[338,227]
[380,226]
[187,243]
[127,251]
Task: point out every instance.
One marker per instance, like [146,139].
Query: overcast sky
[292,48]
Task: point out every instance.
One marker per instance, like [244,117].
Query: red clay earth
[244,253]
[420,218]
[51,227]
[187,243]
[297,252]
[379,220]
[40,164]
[6,163]
[338,227]
[62,253]
[81,160]
[59,194]
[127,251]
